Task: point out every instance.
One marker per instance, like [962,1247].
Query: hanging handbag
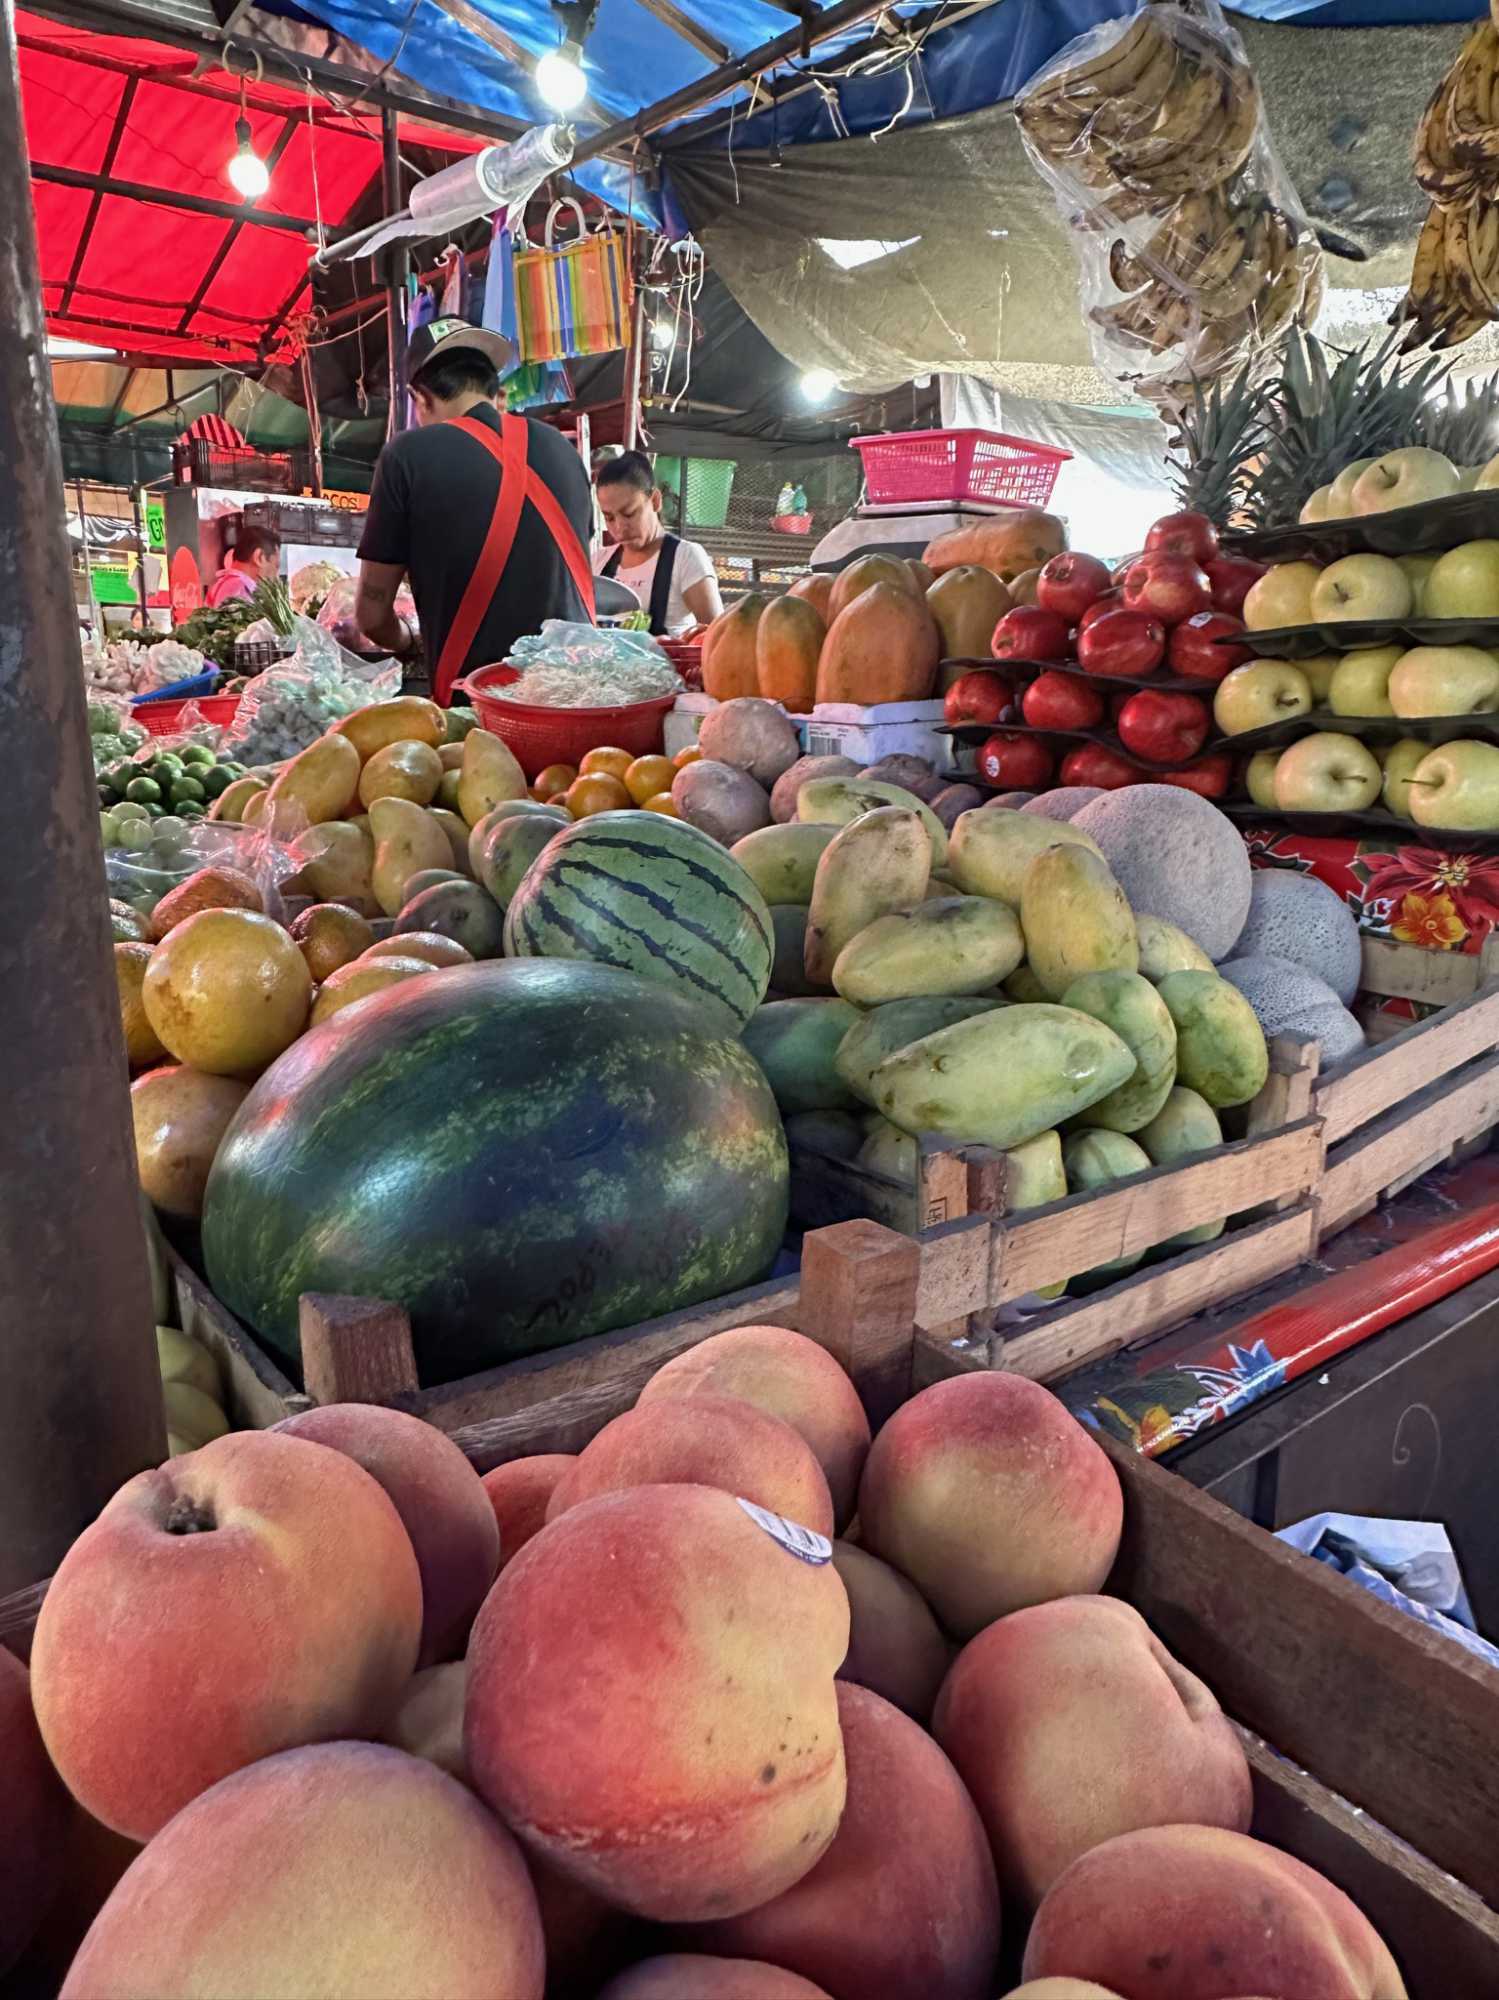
[573,298]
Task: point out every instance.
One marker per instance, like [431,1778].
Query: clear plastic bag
[179,848]
[290,705]
[567,665]
[1194,250]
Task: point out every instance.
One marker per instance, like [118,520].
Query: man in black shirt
[490,517]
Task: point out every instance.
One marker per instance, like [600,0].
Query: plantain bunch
[1454,288]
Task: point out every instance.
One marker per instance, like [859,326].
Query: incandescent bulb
[248,173]
[559,78]
[818,384]
[663,334]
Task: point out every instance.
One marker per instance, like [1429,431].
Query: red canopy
[120,132]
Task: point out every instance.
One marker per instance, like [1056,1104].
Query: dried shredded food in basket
[568,665]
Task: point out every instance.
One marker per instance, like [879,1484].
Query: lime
[135,834]
[234,769]
[109,829]
[144,791]
[154,809]
[166,767]
[196,753]
[215,781]
[129,809]
[119,775]
[184,789]
[191,809]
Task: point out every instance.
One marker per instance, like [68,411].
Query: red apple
[1195,651]
[1070,583]
[1183,535]
[1097,764]
[1029,633]
[1117,703]
[1166,728]
[1122,642]
[1019,763]
[1061,701]
[1112,600]
[1210,777]
[1171,588]
[977,697]
[1231,578]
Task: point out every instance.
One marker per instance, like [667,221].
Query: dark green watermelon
[521,1154]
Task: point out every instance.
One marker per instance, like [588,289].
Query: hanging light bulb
[818,384]
[248,174]
[560,79]
[663,334]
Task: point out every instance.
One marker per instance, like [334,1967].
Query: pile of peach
[630,1726]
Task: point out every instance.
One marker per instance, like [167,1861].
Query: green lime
[135,834]
[235,770]
[129,809]
[109,829]
[196,753]
[119,775]
[144,791]
[215,781]
[191,809]
[187,788]
[166,767]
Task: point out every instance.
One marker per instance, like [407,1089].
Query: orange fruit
[595,792]
[141,1043]
[227,991]
[555,778]
[605,762]
[662,802]
[180,1115]
[330,935]
[688,756]
[647,776]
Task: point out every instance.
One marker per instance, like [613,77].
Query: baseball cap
[444,337]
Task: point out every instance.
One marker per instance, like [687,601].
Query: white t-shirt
[693,565]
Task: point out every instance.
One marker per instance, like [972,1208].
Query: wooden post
[82,1407]
[858,1301]
[355,1350]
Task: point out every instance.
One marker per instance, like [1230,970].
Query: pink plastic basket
[542,736]
[164,718]
[958,465]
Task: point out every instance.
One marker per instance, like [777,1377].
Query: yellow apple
[1327,772]
[1417,570]
[1488,477]
[1259,776]
[1319,673]
[1361,685]
[1361,587]
[1318,507]
[1457,786]
[1340,493]
[1260,691]
[1400,762]
[1282,596]
[1464,583]
[1404,479]
[1444,680]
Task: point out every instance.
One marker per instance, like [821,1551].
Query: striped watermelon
[520,1154]
[654,896]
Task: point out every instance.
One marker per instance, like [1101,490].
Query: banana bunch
[1454,288]
[1213,274]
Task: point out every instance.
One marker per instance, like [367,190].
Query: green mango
[796,1042]
[1092,1160]
[1140,1018]
[883,1030]
[510,844]
[1185,1124]
[1220,1045]
[838,801]
[782,861]
[1035,1175]
[838,1134]
[951,946]
[1076,919]
[1163,949]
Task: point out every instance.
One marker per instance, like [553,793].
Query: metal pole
[397,264]
[141,589]
[82,1404]
[634,359]
[88,568]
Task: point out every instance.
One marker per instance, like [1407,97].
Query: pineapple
[1215,441]
[1462,423]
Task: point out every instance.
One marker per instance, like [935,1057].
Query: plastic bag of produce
[566,665]
[1193,247]
[166,851]
[291,704]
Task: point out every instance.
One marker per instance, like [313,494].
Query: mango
[836,801]
[1035,1175]
[1138,1015]
[949,946]
[1220,1045]
[1093,1159]
[401,771]
[489,772]
[1186,1123]
[796,1043]
[878,863]
[1076,919]
[457,832]
[407,719]
[462,911]
[1004,1076]
[893,1026]
[336,865]
[889,1151]
[508,848]
[788,972]
[782,861]
[406,841]
[837,1134]
[991,849]
[315,786]
[1163,949]
[1023,985]
[230,804]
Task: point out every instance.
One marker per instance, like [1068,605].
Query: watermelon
[521,1154]
[654,896]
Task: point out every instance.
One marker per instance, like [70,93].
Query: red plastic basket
[163,718]
[686,655]
[958,465]
[542,736]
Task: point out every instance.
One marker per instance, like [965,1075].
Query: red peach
[684,1976]
[240,1600]
[989,1496]
[1071,1723]
[787,1376]
[717,1441]
[346,1868]
[904,1903]
[441,1503]
[34,1816]
[895,1646]
[429,1721]
[651,1702]
[1194,1913]
[519,1492]
[1062,1989]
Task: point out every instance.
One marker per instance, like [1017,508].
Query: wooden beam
[484,30]
[154,197]
[681,23]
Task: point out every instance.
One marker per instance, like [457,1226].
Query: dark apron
[666,563]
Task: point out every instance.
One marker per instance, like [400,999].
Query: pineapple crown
[1463,422]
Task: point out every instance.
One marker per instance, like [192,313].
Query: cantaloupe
[788,643]
[881,647]
[862,574]
[1295,916]
[1177,857]
[729,667]
[1288,999]
[967,603]
[1009,543]
[815,588]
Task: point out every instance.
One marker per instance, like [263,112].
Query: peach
[989,1496]
[1194,1913]
[1061,1989]
[651,1702]
[787,1376]
[1071,1723]
[345,1868]
[252,1596]
[708,1441]
[519,1492]
[34,1816]
[429,1721]
[684,1976]
[895,1647]
[904,1904]
[440,1500]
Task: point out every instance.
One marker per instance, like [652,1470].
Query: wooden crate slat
[1368,1085]
[1414,1135]
[1396,1718]
[257,1393]
[1396,971]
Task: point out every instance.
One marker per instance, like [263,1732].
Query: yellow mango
[488,774]
[877,863]
[336,862]
[457,834]
[407,719]
[407,839]
[231,802]
[316,786]
[1076,919]
[404,770]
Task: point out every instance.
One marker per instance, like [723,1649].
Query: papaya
[314,787]
[991,849]
[1022,538]
[1163,949]
[1093,1159]
[1034,1175]
[782,861]
[954,945]
[862,574]
[1002,1077]
[1139,1016]
[796,1043]
[925,578]
[1076,919]
[837,801]
[967,603]
[889,1151]
[1185,1123]
[788,644]
[729,650]
[1220,1045]
[895,1025]
[881,647]
[815,588]
[878,863]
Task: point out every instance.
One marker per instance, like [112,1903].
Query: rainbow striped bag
[573,298]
